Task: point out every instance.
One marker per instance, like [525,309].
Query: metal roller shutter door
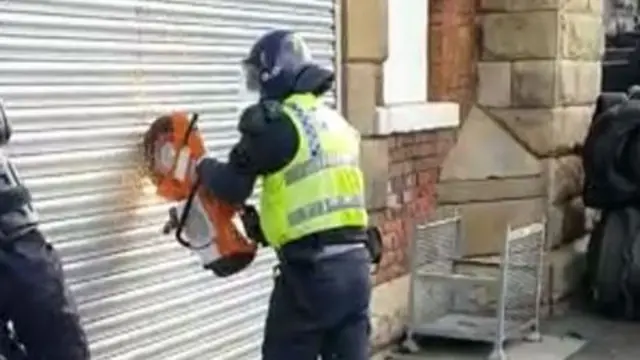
[81,79]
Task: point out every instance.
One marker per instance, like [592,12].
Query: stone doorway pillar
[515,160]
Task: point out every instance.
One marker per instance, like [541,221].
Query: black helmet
[274,62]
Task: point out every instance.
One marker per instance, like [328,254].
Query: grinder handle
[182,220]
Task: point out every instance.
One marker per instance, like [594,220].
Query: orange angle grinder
[211,228]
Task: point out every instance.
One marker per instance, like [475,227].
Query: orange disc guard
[165,149]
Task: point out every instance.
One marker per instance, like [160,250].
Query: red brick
[397,270]
[407,167]
[401,259]
[390,214]
[410,180]
[407,234]
[385,261]
[425,191]
[392,142]
[406,139]
[387,240]
[405,153]
[392,226]
[424,206]
[452,50]
[396,183]
[427,163]
[445,141]
[394,201]
[428,136]
[428,148]
[407,195]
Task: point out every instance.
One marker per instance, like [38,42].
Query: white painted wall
[405,71]
[405,74]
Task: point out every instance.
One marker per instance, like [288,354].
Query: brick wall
[415,159]
[453,51]
[414,168]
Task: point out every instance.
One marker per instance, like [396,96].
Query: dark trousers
[34,298]
[320,307]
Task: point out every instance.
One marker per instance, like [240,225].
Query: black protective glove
[251,221]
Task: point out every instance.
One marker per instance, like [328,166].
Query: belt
[337,249]
[326,243]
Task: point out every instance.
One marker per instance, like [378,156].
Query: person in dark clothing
[312,203]
[33,297]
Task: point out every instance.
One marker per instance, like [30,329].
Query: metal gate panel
[81,80]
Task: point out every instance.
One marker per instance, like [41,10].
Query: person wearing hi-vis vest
[312,206]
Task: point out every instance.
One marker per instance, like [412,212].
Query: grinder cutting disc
[172,146]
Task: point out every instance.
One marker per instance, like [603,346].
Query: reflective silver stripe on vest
[300,171]
[308,121]
[324,207]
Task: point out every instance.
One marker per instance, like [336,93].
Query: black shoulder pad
[272,109]
[252,120]
[256,117]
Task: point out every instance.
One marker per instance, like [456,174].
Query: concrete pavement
[604,339]
[575,336]
[550,348]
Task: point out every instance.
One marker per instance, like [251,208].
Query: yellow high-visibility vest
[322,188]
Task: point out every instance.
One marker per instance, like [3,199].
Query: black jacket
[611,152]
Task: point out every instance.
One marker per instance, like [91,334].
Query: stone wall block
[532,5]
[565,178]
[533,83]
[584,6]
[363,94]
[485,223]
[494,5]
[596,6]
[547,131]
[461,192]
[365,24]
[581,36]
[566,221]
[494,84]
[578,82]
[486,151]
[520,36]
[374,162]
[577,5]
[570,128]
